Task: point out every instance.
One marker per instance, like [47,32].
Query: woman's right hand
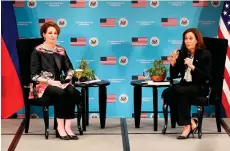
[55,83]
[172,58]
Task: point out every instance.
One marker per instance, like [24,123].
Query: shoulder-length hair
[200,42]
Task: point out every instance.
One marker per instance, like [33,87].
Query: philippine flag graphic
[12,96]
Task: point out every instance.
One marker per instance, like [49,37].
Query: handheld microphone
[188,56]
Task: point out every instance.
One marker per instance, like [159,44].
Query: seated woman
[48,61]
[193,62]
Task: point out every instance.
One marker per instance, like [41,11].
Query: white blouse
[187,75]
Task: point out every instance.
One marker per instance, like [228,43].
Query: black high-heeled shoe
[74,137]
[66,137]
[185,137]
[196,128]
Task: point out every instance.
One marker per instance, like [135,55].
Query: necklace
[47,48]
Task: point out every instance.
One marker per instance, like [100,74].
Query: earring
[44,38]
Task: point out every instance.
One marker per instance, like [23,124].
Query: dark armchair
[25,48]
[218,49]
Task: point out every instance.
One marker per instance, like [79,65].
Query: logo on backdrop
[215,3]
[31,3]
[123,22]
[93,3]
[34,115]
[123,60]
[94,115]
[184,21]
[154,41]
[93,41]
[154,4]
[123,98]
[61,22]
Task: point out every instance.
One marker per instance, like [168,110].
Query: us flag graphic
[111,98]
[77,3]
[80,41]
[108,60]
[18,3]
[138,77]
[139,41]
[139,3]
[168,21]
[108,22]
[165,59]
[200,3]
[42,21]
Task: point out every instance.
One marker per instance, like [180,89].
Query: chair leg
[55,120]
[217,110]
[79,115]
[46,120]
[200,110]
[55,123]
[27,110]
[173,120]
[165,111]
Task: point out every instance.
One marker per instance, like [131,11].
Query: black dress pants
[64,100]
[180,97]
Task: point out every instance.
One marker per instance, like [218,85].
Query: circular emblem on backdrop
[93,3]
[184,21]
[154,4]
[215,3]
[123,60]
[94,115]
[93,41]
[123,98]
[154,41]
[31,3]
[123,22]
[34,115]
[61,22]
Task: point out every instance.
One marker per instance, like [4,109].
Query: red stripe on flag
[12,96]
[225,104]
[224,33]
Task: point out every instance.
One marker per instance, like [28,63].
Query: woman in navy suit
[193,63]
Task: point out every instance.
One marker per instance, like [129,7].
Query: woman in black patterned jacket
[48,61]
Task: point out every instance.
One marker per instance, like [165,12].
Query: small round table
[102,85]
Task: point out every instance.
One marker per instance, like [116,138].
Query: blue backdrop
[137,33]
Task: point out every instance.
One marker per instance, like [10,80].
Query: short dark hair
[200,42]
[47,25]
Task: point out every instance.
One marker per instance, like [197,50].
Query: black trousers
[64,100]
[180,97]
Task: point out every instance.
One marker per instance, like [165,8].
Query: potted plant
[86,74]
[158,71]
